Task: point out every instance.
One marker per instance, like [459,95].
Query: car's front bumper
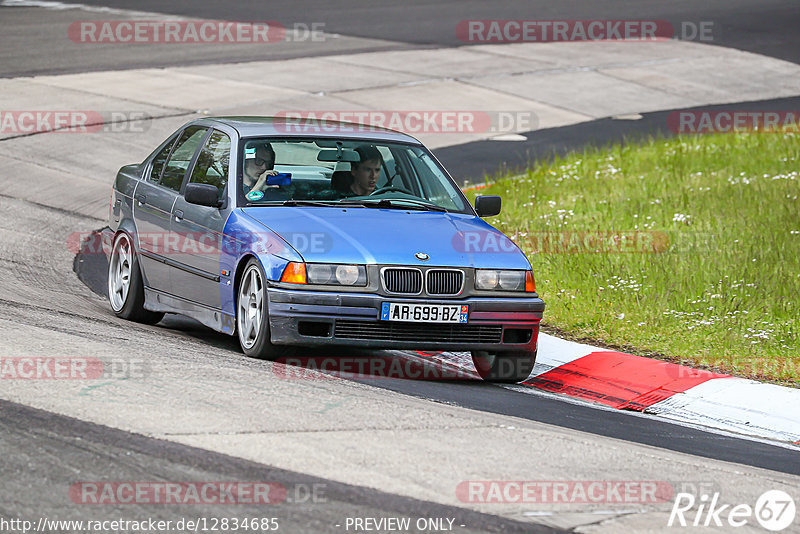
[326,318]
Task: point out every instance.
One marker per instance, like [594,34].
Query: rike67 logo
[774,510]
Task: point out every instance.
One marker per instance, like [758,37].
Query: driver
[365,173]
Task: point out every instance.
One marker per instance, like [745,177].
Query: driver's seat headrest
[341,181]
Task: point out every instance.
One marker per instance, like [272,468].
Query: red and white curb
[676,392]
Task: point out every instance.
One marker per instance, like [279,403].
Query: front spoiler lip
[529,304]
[287,308]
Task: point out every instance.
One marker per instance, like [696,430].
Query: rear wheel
[252,314]
[125,284]
[504,366]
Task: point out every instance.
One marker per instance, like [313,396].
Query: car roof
[291,127]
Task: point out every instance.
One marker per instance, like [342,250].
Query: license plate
[424,313]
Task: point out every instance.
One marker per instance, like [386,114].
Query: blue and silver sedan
[289,234]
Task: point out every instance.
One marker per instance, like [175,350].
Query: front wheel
[252,314]
[508,367]
[125,284]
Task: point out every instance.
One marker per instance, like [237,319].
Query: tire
[252,315]
[125,284]
[505,367]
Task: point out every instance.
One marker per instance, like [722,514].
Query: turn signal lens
[294,273]
[530,283]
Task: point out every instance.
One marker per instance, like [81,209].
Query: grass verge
[686,248]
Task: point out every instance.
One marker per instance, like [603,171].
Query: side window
[181,157]
[158,162]
[212,162]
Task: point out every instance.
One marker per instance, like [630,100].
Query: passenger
[366,172]
[257,169]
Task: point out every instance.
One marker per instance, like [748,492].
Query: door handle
[179,215]
[141,199]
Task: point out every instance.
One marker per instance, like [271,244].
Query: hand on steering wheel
[390,189]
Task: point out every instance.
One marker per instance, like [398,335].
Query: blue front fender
[243,238]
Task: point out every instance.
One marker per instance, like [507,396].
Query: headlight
[485,279]
[332,274]
[490,279]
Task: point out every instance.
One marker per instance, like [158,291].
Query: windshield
[352,172]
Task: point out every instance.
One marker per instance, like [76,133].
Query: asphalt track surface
[473,162]
[312,504]
[768,27]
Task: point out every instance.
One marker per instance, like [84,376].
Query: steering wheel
[390,189]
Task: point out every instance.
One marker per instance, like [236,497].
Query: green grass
[714,280]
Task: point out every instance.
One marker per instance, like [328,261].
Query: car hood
[390,236]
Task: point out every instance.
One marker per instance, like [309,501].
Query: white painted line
[528,390]
[555,352]
[61,6]
[509,137]
[738,405]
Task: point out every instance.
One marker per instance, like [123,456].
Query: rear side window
[212,162]
[159,161]
[181,157]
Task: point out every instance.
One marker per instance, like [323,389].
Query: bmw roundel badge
[421,256]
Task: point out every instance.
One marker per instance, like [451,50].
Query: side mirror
[202,194]
[487,205]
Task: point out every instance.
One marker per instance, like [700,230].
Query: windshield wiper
[396,203]
[325,203]
[309,203]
